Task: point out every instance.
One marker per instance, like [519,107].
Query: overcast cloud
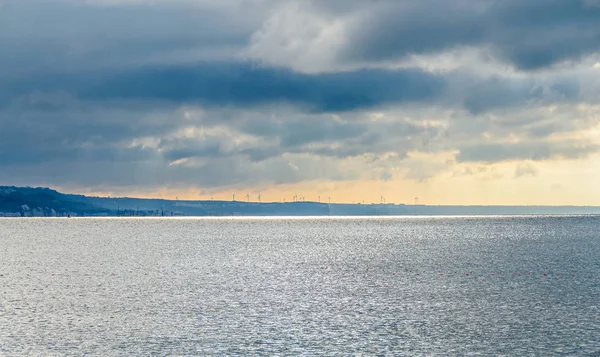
[215,94]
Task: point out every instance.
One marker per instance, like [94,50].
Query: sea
[304,286]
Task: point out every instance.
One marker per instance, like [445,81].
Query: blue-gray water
[312,286]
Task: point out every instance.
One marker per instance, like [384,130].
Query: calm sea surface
[513,286]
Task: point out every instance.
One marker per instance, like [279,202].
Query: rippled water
[513,286]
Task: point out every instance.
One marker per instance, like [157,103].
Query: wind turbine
[416,200]
[234,197]
[248,197]
[259,197]
[319,199]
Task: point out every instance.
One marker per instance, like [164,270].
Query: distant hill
[28,201]
[40,201]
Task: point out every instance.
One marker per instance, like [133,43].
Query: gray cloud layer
[129,93]
[529,34]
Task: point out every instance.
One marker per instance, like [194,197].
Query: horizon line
[385,203]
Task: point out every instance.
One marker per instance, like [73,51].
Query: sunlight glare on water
[519,286]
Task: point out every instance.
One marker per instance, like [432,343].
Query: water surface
[518,286]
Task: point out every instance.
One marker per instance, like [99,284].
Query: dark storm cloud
[30,136]
[485,94]
[529,34]
[165,52]
[242,84]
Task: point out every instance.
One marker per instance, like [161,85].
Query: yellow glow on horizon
[443,182]
[555,182]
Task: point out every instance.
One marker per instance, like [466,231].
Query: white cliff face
[26,211]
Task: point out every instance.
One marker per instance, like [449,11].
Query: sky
[451,101]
